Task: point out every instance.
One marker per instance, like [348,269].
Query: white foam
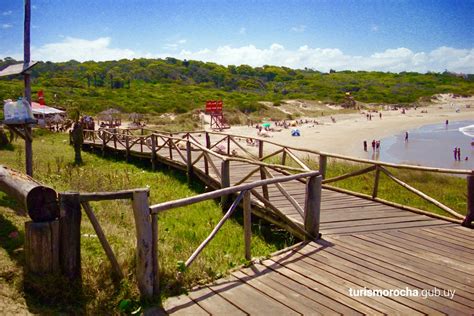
[467,130]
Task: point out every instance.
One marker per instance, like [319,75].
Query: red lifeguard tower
[214,108]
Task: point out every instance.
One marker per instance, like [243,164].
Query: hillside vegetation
[157,86]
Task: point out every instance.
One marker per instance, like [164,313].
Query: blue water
[431,145]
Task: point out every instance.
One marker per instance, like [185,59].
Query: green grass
[447,189]
[180,230]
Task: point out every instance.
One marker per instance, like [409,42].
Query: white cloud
[323,59]
[299,28]
[243,31]
[175,45]
[6,26]
[81,50]
[374,28]
[5,13]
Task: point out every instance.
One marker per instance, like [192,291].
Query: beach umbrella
[266,124]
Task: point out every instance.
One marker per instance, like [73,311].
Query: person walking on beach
[406,136]
[455,151]
[380,115]
[365,145]
[459,153]
[373,144]
[377,145]
[447,122]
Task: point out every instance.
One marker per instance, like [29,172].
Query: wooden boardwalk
[432,265]
[366,245]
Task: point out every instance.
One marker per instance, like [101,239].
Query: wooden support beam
[170,144]
[225,182]
[153,152]
[103,240]
[467,222]
[127,148]
[70,232]
[312,208]
[215,230]
[189,161]
[263,175]
[348,175]
[208,146]
[156,267]
[423,195]
[376,181]
[323,161]
[247,225]
[141,213]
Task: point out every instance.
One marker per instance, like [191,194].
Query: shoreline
[347,134]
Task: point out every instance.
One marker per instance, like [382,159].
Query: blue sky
[358,35]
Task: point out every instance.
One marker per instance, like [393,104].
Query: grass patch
[449,190]
[180,230]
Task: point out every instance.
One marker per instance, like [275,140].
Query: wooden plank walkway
[366,246]
[424,270]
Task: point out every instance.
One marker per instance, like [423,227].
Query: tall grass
[180,230]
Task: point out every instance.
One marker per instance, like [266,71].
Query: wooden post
[156,267]
[127,148]
[467,222]
[170,146]
[247,225]
[323,160]
[312,206]
[141,144]
[115,140]
[208,146]
[228,145]
[27,82]
[153,152]
[144,263]
[70,235]
[283,158]
[263,175]
[225,183]
[42,247]
[189,161]
[103,142]
[376,181]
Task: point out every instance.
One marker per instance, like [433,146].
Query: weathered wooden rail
[146,223]
[200,153]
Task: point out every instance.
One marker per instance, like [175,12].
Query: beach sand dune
[346,135]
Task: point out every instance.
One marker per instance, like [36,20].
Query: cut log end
[42,204]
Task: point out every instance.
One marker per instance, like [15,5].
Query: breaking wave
[467,130]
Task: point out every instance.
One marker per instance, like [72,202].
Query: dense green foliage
[169,85]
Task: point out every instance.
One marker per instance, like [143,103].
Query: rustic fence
[199,153]
[146,224]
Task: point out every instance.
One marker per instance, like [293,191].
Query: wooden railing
[229,148]
[311,212]
[146,224]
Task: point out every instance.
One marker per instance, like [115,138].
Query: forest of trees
[172,85]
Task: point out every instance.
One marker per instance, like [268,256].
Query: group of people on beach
[457,154]
[375,145]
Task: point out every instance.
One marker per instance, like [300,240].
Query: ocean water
[431,145]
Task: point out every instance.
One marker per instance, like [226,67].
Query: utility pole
[27,80]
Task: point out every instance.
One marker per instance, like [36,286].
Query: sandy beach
[346,135]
